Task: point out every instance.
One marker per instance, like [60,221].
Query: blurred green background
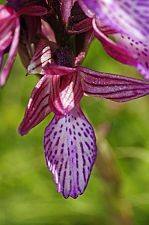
[118,190]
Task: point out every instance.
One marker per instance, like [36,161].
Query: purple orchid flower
[53,37]
[131,33]
[69,139]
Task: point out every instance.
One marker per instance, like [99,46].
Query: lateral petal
[114,87]
[125,16]
[41,57]
[70,152]
[38,106]
[126,49]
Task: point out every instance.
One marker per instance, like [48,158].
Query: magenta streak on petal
[11,55]
[66,92]
[114,87]
[70,152]
[38,106]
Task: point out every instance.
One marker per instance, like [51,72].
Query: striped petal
[114,87]
[38,106]
[66,93]
[70,152]
[126,49]
[41,57]
[126,16]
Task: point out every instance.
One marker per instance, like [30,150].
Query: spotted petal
[126,49]
[113,87]
[38,107]
[70,152]
[129,17]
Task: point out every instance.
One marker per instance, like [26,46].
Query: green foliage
[27,192]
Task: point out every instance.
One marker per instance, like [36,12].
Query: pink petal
[66,92]
[114,87]
[54,69]
[47,31]
[41,57]
[9,36]
[70,152]
[38,106]
[126,50]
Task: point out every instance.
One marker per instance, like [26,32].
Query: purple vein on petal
[38,107]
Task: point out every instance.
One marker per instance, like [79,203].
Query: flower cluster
[52,38]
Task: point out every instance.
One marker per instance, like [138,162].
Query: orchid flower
[128,23]
[53,37]
[69,139]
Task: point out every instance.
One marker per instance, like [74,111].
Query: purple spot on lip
[76,155]
[84,162]
[85,134]
[62,145]
[70,132]
[66,164]
[79,134]
[77,165]
[87,130]
[57,142]
[87,145]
